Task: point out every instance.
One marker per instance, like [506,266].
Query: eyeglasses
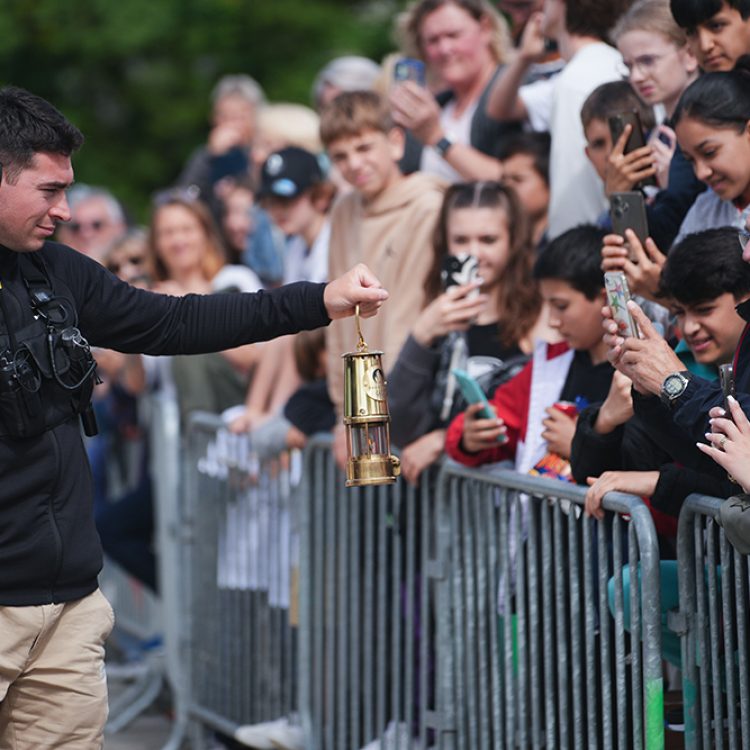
[644,63]
[133,260]
[76,227]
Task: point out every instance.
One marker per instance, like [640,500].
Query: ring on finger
[722,441]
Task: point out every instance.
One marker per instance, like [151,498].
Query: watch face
[674,385]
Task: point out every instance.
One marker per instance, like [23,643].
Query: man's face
[720,41]
[368,161]
[92,229]
[34,202]
[238,114]
[711,329]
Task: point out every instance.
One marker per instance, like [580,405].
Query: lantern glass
[368,439]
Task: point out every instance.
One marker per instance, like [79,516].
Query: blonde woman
[464,44]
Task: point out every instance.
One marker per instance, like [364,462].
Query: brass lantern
[368,440]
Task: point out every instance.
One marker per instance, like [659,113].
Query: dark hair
[721,99]
[690,13]
[614,97]
[575,257]
[705,265]
[593,17]
[518,301]
[31,125]
[535,145]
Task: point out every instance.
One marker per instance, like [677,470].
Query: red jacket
[511,404]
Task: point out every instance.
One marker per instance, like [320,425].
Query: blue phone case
[474,394]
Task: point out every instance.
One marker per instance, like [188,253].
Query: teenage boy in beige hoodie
[386,221]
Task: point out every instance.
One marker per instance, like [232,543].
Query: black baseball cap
[288,172]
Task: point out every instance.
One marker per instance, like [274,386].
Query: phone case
[618,294]
[474,394]
[459,270]
[628,211]
[409,69]
[726,378]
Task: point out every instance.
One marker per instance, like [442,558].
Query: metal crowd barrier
[139,617]
[713,622]
[238,567]
[475,613]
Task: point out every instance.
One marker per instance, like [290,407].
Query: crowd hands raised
[500,147]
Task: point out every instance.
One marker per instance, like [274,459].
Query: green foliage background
[135,75]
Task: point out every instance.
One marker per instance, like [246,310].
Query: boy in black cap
[296,195]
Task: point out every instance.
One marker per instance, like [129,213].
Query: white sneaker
[396,737]
[258,736]
[287,737]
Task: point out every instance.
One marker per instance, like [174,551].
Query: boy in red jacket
[575,370]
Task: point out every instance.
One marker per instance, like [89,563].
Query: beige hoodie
[392,235]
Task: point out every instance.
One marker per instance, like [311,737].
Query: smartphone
[460,269]
[618,294]
[628,211]
[726,378]
[474,394]
[409,69]
[636,139]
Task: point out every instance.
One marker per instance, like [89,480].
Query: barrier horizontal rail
[714,607]
[475,613]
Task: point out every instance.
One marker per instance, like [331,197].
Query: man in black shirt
[54,304]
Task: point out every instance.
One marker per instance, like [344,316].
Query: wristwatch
[443,145]
[673,387]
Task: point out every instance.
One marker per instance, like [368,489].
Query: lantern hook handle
[361,345]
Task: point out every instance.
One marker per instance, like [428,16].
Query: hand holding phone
[618,294]
[474,394]
[409,69]
[628,211]
[636,138]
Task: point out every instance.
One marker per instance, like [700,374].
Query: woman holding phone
[464,44]
[495,316]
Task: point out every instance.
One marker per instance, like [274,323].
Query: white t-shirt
[576,192]
[307,264]
[457,130]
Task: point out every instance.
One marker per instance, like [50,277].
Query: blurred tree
[136,75]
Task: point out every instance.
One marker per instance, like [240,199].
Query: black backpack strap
[44,301]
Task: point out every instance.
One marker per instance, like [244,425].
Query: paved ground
[148,732]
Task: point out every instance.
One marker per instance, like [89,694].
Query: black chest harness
[47,371]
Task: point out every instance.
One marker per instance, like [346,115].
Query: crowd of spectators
[504,150]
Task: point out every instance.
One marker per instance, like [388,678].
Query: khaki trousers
[53,690]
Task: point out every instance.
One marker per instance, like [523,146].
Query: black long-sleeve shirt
[49,548]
